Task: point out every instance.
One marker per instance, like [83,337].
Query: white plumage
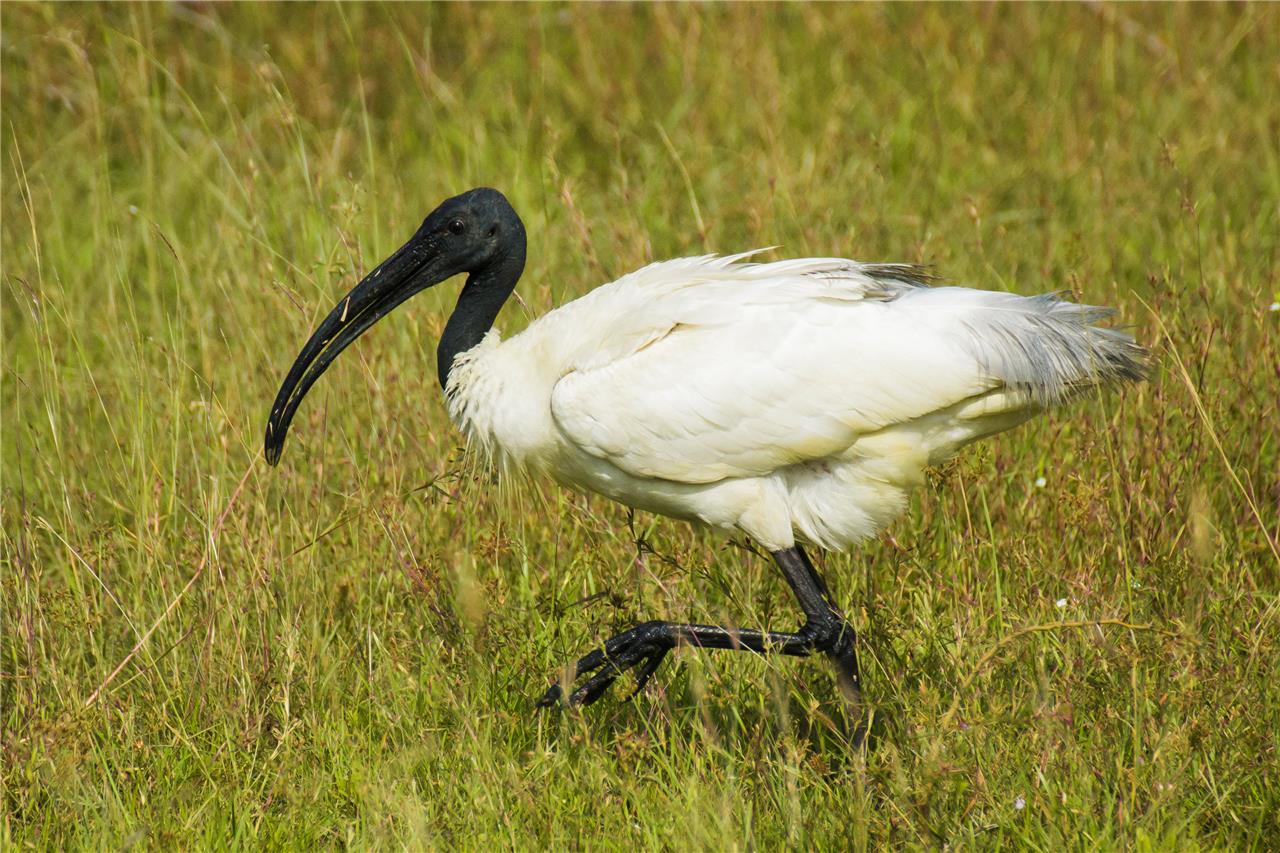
[796,399]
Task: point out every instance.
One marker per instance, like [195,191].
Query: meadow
[1071,641]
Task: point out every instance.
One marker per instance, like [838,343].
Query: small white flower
[1060,603]
[133,210]
[1020,803]
[1275,306]
[1041,482]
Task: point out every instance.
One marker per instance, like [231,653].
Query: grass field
[1071,641]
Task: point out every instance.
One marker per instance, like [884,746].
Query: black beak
[414,267]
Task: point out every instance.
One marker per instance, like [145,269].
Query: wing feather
[709,368]
[739,376]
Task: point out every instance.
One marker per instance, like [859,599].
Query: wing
[740,375]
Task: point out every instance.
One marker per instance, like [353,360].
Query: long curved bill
[400,276]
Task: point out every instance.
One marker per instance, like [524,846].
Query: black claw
[629,650]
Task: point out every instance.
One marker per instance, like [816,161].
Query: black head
[471,230]
[477,232]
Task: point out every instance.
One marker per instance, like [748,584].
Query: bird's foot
[642,648]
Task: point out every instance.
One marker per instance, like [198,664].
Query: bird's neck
[482,297]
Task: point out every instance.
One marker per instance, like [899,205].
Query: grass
[1070,641]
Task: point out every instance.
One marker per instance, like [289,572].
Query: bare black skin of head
[477,233]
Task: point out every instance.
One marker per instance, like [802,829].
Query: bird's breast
[499,396]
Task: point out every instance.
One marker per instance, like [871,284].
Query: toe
[646,671]
[593,689]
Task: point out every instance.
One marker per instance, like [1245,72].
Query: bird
[796,402]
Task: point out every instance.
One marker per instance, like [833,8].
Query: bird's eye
[457,226]
[493,229]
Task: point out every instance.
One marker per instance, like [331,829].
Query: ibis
[797,402]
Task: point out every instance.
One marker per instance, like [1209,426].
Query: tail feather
[1050,348]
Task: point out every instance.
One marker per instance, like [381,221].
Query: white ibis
[796,401]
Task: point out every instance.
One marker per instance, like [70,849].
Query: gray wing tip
[1114,359]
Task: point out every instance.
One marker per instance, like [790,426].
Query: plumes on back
[1043,345]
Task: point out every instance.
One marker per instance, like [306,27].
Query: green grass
[197,650]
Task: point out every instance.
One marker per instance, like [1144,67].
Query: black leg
[643,647]
[840,648]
